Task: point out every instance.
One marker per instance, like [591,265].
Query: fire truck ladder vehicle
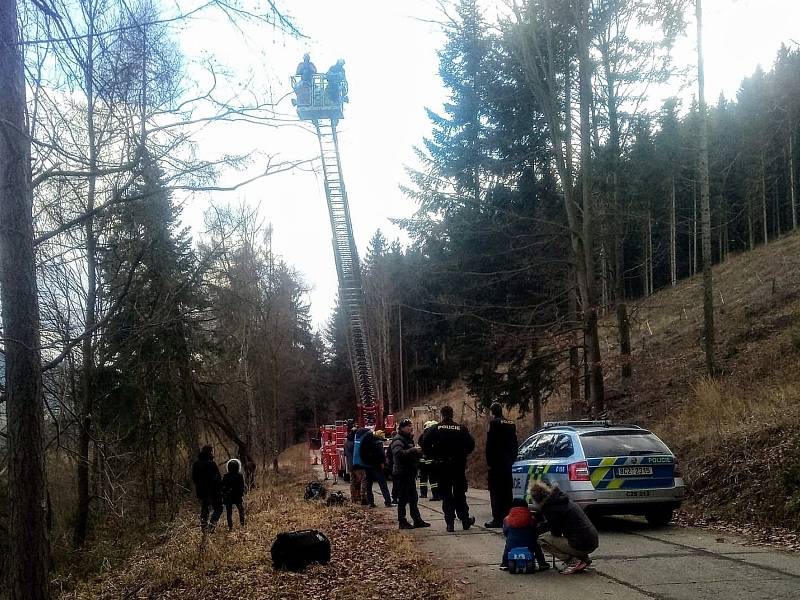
[320,102]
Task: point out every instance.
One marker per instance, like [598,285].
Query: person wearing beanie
[405,460]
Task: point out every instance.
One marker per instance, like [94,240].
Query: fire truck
[320,102]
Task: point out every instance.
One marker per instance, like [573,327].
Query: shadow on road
[617,523]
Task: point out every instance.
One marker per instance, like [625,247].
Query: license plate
[633,471]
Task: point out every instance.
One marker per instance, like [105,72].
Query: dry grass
[182,563]
[719,409]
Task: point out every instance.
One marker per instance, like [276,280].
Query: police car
[605,468]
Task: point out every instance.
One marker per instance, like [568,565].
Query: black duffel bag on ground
[295,550]
[315,491]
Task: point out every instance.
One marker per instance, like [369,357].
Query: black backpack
[295,550]
[315,491]
[336,499]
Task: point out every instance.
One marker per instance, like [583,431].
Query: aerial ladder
[320,102]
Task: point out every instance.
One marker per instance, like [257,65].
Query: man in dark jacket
[571,537]
[449,444]
[377,461]
[405,461]
[501,451]
[205,475]
[233,491]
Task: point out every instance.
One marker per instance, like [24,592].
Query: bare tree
[545,61]
[705,204]
[20,311]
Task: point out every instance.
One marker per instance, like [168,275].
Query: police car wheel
[659,517]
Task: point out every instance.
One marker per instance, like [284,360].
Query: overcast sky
[391,63]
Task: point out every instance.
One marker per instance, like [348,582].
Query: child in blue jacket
[519,528]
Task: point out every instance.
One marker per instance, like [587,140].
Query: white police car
[605,468]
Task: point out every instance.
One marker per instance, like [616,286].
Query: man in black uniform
[501,451]
[449,444]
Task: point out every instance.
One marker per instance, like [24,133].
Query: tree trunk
[401,381]
[28,549]
[708,288]
[673,251]
[650,287]
[764,200]
[596,391]
[645,263]
[694,230]
[751,229]
[603,279]
[619,226]
[792,189]
[576,407]
[537,413]
[87,345]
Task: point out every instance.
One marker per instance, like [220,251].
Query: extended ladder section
[351,291]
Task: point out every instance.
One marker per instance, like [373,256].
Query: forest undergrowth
[181,562]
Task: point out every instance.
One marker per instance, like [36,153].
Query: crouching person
[519,528]
[567,534]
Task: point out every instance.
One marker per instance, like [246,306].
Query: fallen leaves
[368,560]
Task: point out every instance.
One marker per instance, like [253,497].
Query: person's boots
[468,522]
[421,523]
[404,524]
[450,527]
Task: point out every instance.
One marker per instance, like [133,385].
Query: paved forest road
[634,561]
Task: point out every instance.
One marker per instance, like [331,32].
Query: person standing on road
[207,485]
[427,469]
[377,458]
[568,534]
[449,444]
[362,446]
[501,452]
[357,475]
[405,460]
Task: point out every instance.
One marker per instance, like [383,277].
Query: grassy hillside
[738,435]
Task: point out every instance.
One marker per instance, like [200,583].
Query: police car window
[543,447]
[635,442]
[562,446]
[525,447]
